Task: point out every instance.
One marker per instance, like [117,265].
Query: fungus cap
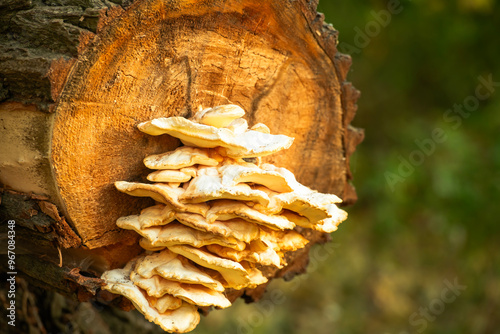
[235,275]
[261,127]
[175,233]
[168,175]
[200,295]
[248,144]
[283,240]
[208,186]
[173,267]
[234,228]
[165,303]
[238,126]
[163,193]
[220,116]
[257,252]
[181,320]
[232,174]
[227,209]
[184,156]
[156,215]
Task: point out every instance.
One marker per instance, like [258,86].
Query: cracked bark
[77,76]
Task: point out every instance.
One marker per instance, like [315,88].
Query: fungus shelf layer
[219,220]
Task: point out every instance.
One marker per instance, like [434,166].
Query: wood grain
[277,59]
[161,59]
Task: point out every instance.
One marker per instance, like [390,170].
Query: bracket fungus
[221,217]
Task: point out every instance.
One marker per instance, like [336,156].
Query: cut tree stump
[77,80]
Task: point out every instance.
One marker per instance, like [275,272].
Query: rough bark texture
[83,74]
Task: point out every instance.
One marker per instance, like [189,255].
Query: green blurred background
[412,233]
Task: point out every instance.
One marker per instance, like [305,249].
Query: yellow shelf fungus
[219,219]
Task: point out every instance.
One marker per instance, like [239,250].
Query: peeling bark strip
[91,284]
[154,58]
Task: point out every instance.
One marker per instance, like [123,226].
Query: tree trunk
[78,77]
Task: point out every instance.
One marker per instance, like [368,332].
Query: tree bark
[79,76]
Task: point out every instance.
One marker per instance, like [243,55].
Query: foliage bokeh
[407,238]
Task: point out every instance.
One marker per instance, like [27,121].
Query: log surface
[92,81]
[161,59]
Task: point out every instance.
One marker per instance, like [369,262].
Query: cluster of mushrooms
[221,217]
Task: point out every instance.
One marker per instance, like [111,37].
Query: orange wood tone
[158,58]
